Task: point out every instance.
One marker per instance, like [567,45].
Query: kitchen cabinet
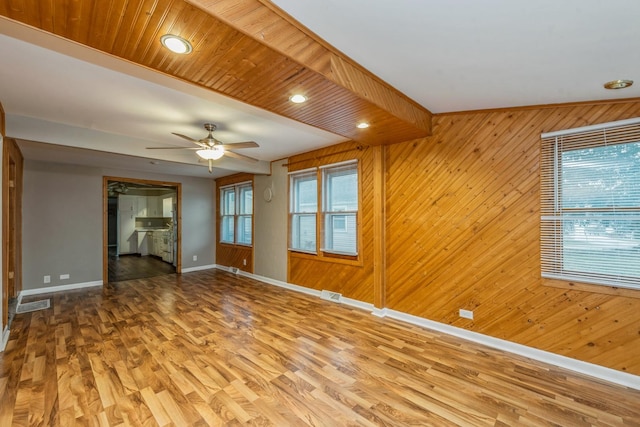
[167,207]
[160,245]
[144,237]
[150,248]
[127,204]
[127,236]
[154,206]
[141,206]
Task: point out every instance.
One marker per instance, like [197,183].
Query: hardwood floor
[210,348]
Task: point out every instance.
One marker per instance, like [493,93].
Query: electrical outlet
[64,276]
[244,261]
[467,314]
[47,279]
[195,257]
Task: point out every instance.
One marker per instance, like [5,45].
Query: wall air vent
[330,296]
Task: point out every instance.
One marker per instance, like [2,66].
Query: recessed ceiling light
[297,98]
[618,84]
[176,44]
[362,125]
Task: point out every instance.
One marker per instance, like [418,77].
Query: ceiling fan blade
[188,138]
[173,148]
[235,145]
[239,156]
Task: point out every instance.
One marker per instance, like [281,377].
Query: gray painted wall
[62,221]
[271,218]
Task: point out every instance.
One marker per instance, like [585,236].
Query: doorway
[141,228]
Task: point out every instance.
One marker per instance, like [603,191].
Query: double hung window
[324,202]
[590,204]
[236,214]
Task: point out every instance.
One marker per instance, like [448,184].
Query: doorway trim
[105,219]
[12,172]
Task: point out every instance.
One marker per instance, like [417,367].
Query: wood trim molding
[3,129]
[12,172]
[379,221]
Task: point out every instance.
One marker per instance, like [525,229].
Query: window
[236,214]
[338,216]
[590,207]
[340,208]
[227,212]
[303,209]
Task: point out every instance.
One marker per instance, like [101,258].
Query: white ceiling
[469,54]
[447,56]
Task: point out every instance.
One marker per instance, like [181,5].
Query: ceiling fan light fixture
[213,153]
[298,98]
[176,44]
[618,84]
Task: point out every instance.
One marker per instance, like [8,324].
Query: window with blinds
[590,204]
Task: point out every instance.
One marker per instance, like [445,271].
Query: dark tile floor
[128,267]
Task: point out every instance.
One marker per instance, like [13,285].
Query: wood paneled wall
[226,254]
[463,232]
[353,279]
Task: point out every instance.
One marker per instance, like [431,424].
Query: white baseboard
[59,288]
[590,369]
[198,268]
[285,285]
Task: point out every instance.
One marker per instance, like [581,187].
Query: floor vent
[330,296]
[235,270]
[33,306]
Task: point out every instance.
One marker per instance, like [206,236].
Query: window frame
[320,214]
[297,211]
[558,220]
[236,215]
[329,213]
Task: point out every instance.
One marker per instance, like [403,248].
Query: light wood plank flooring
[210,348]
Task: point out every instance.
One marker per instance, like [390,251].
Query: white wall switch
[64,276]
[47,279]
[467,314]
[195,257]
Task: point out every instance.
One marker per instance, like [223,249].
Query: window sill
[240,245]
[597,289]
[328,257]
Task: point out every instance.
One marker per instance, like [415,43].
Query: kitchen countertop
[145,229]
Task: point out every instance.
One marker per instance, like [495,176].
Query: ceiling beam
[248,50]
[267,23]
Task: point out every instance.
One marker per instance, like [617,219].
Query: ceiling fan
[211,149]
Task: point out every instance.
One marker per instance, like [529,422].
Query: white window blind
[590,204]
[340,208]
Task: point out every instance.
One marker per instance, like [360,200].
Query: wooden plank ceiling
[247,50]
